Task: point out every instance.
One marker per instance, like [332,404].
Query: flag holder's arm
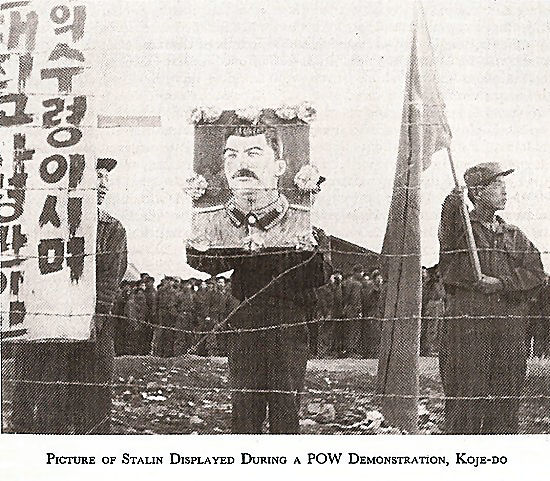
[472,249]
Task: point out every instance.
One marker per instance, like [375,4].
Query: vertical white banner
[48,213]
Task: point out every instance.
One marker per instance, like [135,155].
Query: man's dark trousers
[267,366]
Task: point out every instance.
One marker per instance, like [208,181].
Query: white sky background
[163,57]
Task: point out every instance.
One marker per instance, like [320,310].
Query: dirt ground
[191,395]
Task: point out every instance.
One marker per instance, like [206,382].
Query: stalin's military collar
[264,218]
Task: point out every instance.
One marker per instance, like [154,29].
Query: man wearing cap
[352,288]
[94,359]
[483,352]
[81,404]
[166,298]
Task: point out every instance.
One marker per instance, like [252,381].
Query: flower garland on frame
[307,179]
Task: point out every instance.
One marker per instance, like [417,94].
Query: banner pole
[472,248]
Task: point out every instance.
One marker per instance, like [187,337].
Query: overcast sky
[348,58]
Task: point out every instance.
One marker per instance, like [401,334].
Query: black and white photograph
[276,218]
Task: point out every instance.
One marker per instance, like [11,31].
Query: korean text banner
[48,212]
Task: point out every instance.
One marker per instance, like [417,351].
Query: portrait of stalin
[257,213]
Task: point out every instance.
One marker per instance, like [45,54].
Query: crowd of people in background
[173,318]
[344,311]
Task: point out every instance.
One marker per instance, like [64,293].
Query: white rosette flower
[286,112]
[305,242]
[200,244]
[307,178]
[253,242]
[211,114]
[195,186]
[250,114]
[196,115]
[306,112]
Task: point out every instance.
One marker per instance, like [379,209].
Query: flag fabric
[424,130]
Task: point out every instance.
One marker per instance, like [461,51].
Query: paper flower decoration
[211,114]
[205,114]
[196,186]
[305,242]
[253,242]
[308,178]
[306,112]
[286,112]
[196,115]
[200,244]
[250,114]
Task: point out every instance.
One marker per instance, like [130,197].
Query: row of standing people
[349,311]
[172,319]
[345,309]
[166,321]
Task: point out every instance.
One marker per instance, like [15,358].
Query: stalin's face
[251,165]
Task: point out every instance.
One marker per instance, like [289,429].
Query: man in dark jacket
[185,305]
[268,349]
[483,352]
[83,404]
[329,309]
[220,309]
[94,359]
[163,339]
[352,288]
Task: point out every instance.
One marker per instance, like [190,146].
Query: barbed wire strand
[247,300]
[336,391]
[293,392]
[182,189]
[288,250]
[237,330]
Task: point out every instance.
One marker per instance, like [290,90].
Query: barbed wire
[285,250]
[216,330]
[219,388]
[247,300]
[183,189]
[237,330]
[68,189]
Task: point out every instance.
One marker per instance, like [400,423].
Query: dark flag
[424,131]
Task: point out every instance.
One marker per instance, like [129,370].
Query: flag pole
[472,248]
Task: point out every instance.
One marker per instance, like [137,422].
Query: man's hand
[488,284]
[458,191]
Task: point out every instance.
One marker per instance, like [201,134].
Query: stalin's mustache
[245,173]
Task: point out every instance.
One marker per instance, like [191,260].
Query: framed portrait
[253,183]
